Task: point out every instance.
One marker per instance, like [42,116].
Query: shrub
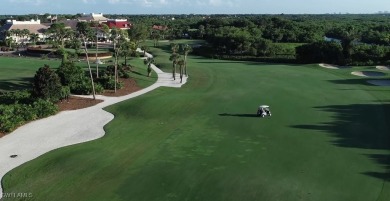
[126,75]
[23,96]
[98,88]
[15,115]
[123,70]
[7,120]
[47,85]
[44,108]
[69,73]
[108,82]
[84,87]
[65,92]
[12,116]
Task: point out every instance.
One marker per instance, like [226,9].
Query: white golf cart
[98,61]
[263,111]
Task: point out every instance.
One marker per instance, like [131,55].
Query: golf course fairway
[328,139]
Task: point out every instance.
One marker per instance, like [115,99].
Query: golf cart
[98,61]
[263,111]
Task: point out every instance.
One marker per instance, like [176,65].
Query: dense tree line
[362,39]
[259,35]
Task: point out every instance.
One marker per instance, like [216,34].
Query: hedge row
[15,115]
[40,51]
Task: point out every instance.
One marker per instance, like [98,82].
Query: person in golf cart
[263,111]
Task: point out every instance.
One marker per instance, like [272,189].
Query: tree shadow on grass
[384,160]
[362,81]
[16,84]
[364,126]
[238,115]
[352,82]
[251,63]
[137,73]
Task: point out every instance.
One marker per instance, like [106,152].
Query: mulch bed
[129,86]
[75,103]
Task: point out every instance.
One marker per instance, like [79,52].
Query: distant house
[96,17]
[33,26]
[118,23]
[159,28]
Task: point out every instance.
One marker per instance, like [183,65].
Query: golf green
[328,139]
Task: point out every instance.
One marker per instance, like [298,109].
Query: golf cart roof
[263,106]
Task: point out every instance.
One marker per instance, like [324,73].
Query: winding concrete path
[66,128]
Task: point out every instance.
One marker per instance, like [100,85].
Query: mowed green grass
[327,139]
[16,73]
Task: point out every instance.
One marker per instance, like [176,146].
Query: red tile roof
[161,28]
[118,24]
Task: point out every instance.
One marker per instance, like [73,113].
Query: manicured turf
[16,73]
[328,139]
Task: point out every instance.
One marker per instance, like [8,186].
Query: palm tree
[156,37]
[116,36]
[24,33]
[181,64]
[9,42]
[174,47]
[128,48]
[149,61]
[95,24]
[186,49]
[89,67]
[105,30]
[83,31]
[145,48]
[34,38]
[17,33]
[201,31]
[174,58]
[59,33]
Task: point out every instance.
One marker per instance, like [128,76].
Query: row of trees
[176,57]
[335,53]
[23,35]
[85,34]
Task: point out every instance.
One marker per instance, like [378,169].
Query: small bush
[44,108]
[123,71]
[108,82]
[65,92]
[84,87]
[98,88]
[47,85]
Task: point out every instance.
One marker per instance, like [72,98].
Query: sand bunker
[368,73]
[383,67]
[331,66]
[379,82]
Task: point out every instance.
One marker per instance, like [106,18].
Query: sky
[15,7]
